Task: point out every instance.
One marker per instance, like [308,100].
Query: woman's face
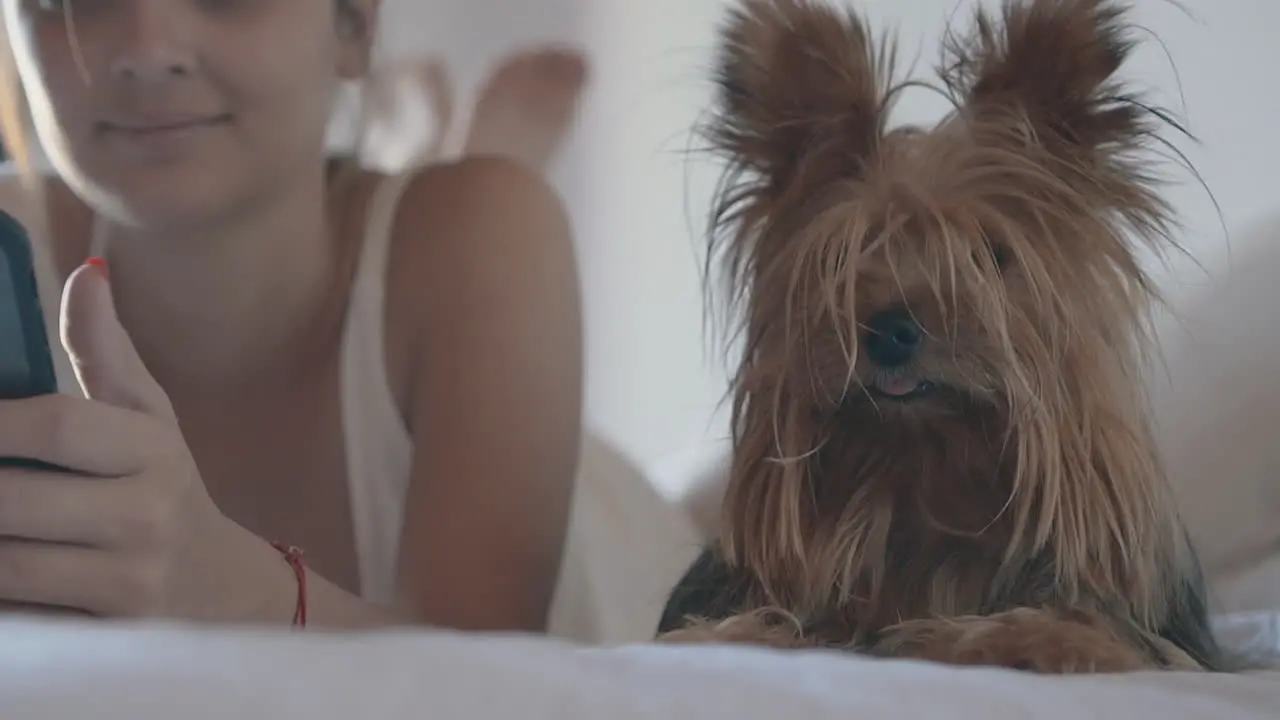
[168,111]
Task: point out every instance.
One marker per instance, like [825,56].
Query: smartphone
[26,360]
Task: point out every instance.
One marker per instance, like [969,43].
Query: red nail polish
[98,263]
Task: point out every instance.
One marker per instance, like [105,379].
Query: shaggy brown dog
[942,448]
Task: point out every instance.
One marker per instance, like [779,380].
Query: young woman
[383,372]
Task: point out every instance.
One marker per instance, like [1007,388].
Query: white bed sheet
[61,672]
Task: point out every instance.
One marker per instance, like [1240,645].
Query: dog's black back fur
[713,590]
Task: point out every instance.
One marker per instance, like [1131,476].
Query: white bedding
[60,671]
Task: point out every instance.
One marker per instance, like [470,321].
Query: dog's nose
[892,338]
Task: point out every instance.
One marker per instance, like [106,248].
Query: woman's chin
[150,201]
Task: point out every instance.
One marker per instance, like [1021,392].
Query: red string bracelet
[293,556]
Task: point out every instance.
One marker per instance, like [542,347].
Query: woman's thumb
[105,361]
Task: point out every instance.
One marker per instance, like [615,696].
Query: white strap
[378,446]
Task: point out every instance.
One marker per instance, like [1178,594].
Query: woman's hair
[19,150]
[13,111]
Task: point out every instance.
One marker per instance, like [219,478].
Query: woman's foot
[408,111]
[435,82]
[527,106]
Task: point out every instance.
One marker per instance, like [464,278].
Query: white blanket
[66,672]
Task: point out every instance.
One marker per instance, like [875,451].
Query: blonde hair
[13,110]
[21,152]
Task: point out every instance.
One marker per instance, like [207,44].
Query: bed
[627,546]
[68,670]
[63,671]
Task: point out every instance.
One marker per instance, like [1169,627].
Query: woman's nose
[154,46]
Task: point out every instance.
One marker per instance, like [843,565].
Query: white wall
[626,175]
[639,203]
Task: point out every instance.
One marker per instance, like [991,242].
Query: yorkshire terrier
[942,447]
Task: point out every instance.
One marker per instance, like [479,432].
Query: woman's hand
[116,532]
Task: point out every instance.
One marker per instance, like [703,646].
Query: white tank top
[378,446]
[626,545]
[379,449]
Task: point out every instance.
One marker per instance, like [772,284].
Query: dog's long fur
[1017,514]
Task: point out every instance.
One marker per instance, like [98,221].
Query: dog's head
[945,323]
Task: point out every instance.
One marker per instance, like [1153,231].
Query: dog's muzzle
[893,341]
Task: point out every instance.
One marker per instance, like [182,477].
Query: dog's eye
[1001,256]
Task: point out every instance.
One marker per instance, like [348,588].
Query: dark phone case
[16,246]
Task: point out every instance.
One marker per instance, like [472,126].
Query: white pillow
[1217,403]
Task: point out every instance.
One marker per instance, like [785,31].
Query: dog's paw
[1022,639]
[763,628]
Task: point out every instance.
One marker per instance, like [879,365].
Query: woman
[384,372]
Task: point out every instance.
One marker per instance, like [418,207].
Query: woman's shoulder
[464,210]
[496,201]
[483,218]
[475,244]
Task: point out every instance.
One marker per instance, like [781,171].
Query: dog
[942,449]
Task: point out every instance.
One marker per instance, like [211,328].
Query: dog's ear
[1054,62]
[803,100]
[801,93]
